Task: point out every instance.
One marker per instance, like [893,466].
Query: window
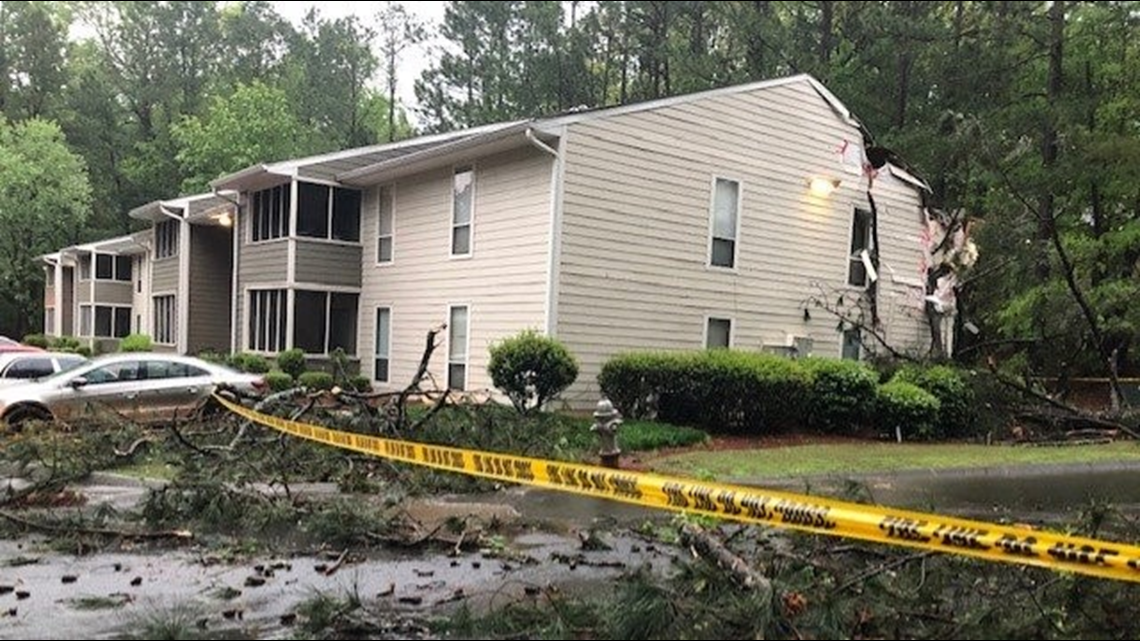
[860,240]
[70,362]
[329,322]
[328,212]
[165,320]
[457,348]
[114,373]
[138,323]
[385,227]
[852,344]
[718,333]
[84,320]
[108,267]
[166,239]
[138,275]
[85,268]
[269,212]
[383,344]
[346,214]
[30,368]
[725,221]
[104,321]
[267,317]
[462,204]
[154,370]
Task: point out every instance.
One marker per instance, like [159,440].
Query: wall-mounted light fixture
[226,220]
[821,186]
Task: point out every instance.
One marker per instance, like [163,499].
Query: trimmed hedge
[135,343]
[842,393]
[251,363]
[958,415]
[65,344]
[278,381]
[37,340]
[531,369]
[360,384]
[316,380]
[292,362]
[909,407]
[719,390]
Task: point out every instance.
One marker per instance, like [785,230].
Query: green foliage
[84,350]
[37,340]
[278,381]
[842,393]
[909,407]
[65,344]
[316,380]
[210,356]
[248,362]
[44,198]
[531,369]
[957,415]
[641,436]
[360,384]
[135,343]
[718,390]
[292,362]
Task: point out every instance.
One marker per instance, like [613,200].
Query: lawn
[858,458]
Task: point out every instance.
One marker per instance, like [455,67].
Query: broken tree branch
[60,529]
[739,569]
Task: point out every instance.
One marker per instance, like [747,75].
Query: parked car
[145,387]
[12,345]
[19,367]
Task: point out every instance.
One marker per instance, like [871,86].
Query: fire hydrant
[606,422]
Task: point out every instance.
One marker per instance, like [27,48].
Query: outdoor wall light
[226,220]
[821,186]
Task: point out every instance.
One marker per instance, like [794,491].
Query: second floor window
[109,267]
[166,239]
[725,223]
[462,206]
[328,212]
[385,227]
[269,213]
[860,241]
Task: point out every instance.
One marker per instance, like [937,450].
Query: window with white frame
[267,318]
[457,339]
[165,325]
[166,239]
[462,207]
[383,357]
[104,321]
[84,268]
[725,217]
[325,321]
[718,333]
[110,267]
[860,242]
[386,226]
[328,212]
[852,344]
[269,213]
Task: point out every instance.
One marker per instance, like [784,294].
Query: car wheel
[18,416]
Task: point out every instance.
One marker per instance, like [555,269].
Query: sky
[413,60]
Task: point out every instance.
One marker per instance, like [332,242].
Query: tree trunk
[1049,133]
[826,18]
[392,94]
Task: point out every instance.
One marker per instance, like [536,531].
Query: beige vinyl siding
[503,282]
[82,291]
[67,312]
[211,258]
[328,263]
[635,226]
[164,275]
[114,293]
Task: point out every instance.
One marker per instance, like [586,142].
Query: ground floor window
[852,344]
[718,333]
[457,339]
[383,344]
[325,321]
[165,320]
[104,321]
[267,317]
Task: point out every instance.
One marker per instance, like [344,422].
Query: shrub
[842,393]
[292,362]
[65,344]
[135,343]
[648,435]
[908,407]
[360,383]
[37,340]
[316,380]
[958,415]
[719,390]
[252,363]
[83,350]
[278,381]
[531,369]
[211,356]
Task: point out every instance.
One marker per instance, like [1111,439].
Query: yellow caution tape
[749,505]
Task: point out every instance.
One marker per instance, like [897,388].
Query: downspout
[550,304]
[238,220]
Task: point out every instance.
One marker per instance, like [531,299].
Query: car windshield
[67,363]
[65,372]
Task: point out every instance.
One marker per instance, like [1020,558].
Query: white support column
[182,300]
[58,302]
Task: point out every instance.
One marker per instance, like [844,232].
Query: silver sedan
[144,387]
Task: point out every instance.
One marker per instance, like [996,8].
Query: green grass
[859,458]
